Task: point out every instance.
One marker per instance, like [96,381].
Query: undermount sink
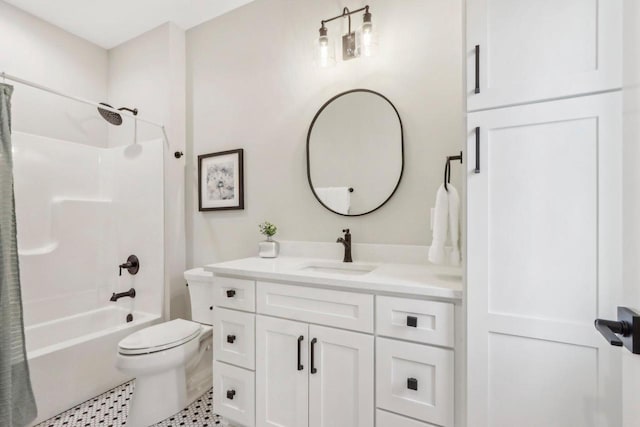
[341,268]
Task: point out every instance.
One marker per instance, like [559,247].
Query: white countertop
[410,279]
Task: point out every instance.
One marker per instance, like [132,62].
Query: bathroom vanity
[313,342]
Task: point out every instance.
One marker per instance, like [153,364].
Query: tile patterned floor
[110,409]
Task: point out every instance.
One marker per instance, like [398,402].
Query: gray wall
[43,53]
[252,84]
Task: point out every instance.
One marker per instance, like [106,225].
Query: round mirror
[355,152]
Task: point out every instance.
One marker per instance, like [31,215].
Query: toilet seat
[159,337]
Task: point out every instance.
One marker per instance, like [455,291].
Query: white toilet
[171,361]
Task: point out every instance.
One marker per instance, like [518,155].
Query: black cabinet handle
[231,339]
[313,358]
[412,321]
[477,90]
[231,394]
[300,367]
[412,384]
[231,293]
[477,169]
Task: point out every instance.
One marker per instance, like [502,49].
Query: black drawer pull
[300,367]
[412,384]
[231,339]
[231,394]
[231,293]
[313,356]
[477,89]
[412,321]
[210,307]
[477,169]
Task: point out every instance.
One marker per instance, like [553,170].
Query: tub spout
[130,293]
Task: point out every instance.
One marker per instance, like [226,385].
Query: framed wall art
[221,181]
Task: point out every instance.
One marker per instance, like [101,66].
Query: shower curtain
[17,404]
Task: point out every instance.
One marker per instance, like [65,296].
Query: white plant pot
[269,248]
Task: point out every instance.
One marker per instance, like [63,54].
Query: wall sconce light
[354,44]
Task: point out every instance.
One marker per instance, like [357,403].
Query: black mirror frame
[325,105]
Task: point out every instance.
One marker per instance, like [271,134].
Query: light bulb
[324,51]
[367,37]
[326,56]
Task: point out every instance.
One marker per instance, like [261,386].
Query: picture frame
[221,181]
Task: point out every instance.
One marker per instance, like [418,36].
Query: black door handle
[231,293]
[609,329]
[231,339]
[231,394]
[622,332]
[313,359]
[300,367]
[412,384]
[477,89]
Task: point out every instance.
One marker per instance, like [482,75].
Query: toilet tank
[201,293]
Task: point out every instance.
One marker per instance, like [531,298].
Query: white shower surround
[81,211]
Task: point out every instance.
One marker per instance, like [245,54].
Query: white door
[340,378]
[542,49]
[544,260]
[631,222]
[282,382]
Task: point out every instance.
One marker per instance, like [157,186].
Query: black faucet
[346,241]
[130,293]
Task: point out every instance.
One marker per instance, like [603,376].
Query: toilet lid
[160,337]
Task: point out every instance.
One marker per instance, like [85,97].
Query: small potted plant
[268,248]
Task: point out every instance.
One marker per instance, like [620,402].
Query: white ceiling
[108,23]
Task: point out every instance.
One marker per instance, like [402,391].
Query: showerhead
[114,118]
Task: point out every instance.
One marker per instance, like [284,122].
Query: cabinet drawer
[429,322]
[234,293]
[387,419]
[327,307]
[235,393]
[234,337]
[416,380]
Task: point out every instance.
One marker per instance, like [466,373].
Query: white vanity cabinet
[340,378]
[308,375]
[325,356]
[282,372]
[523,51]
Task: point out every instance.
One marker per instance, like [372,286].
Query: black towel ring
[447,169]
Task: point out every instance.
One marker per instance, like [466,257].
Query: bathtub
[72,359]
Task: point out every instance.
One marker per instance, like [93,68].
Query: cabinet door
[544,260]
[340,378]
[542,49]
[282,382]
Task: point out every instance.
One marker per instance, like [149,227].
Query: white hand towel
[440,224]
[454,225]
[337,199]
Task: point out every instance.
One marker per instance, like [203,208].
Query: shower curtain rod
[85,101]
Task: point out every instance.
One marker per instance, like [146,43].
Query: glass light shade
[325,52]
[367,38]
